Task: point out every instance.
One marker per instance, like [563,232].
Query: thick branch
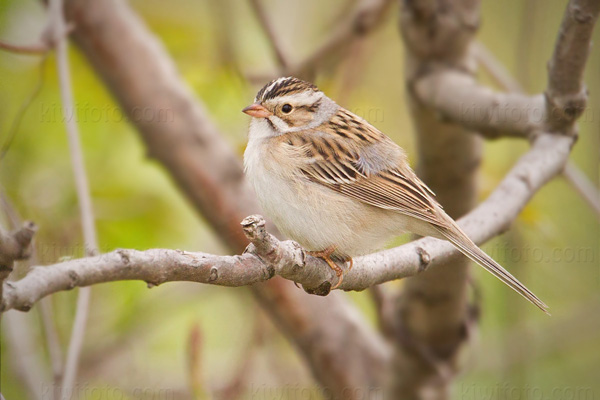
[457,97]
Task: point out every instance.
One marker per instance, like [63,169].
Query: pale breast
[314,216]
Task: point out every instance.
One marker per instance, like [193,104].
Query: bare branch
[267,256]
[57,29]
[566,94]
[34,49]
[497,71]
[269,29]
[431,310]
[456,96]
[582,185]
[361,20]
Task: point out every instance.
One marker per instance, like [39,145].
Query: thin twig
[34,49]
[362,19]
[59,27]
[582,185]
[274,38]
[494,67]
[14,128]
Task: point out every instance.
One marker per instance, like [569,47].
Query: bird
[338,186]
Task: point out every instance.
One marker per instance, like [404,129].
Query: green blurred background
[137,343]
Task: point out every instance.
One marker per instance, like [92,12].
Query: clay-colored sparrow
[337,185]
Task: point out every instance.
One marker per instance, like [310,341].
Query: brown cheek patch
[300,116]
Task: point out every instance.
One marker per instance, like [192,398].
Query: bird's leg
[326,255]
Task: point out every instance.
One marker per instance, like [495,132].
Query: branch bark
[14,246]
[432,310]
[440,78]
[267,257]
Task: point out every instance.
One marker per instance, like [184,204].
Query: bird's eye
[287,108]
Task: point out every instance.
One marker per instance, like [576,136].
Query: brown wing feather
[360,162]
[357,160]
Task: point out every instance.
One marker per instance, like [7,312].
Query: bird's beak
[257,111]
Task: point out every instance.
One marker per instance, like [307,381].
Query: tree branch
[269,29]
[361,20]
[567,95]
[33,49]
[458,98]
[267,257]
[57,30]
[432,309]
[14,246]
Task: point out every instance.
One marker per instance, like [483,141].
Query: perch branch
[266,256]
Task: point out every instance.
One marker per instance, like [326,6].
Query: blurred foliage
[137,338]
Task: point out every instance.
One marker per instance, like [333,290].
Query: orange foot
[326,255]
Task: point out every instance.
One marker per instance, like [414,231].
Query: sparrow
[339,187]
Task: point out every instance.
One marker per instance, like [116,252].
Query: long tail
[470,249]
